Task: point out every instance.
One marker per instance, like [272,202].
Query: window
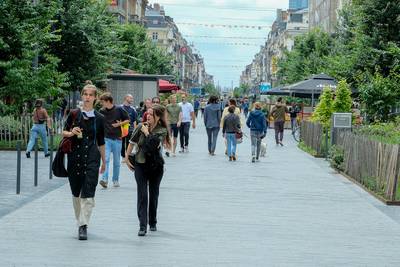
[155,36]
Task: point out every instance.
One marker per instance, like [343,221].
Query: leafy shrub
[9,125]
[383,132]
[324,109]
[336,157]
[343,101]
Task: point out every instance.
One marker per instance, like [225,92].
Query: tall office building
[298,4]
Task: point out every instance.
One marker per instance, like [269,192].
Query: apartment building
[129,11]
[325,13]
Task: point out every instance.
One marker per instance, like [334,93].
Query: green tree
[140,54]
[242,90]
[380,95]
[25,32]
[343,101]
[324,109]
[89,47]
[307,57]
[211,90]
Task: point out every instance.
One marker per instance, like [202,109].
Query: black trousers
[125,143]
[148,187]
[184,134]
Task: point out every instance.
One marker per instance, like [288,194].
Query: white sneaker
[116,184]
[186,149]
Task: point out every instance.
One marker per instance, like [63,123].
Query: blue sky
[223,59]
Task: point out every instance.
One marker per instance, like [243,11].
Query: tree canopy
[364,51]
[71,41]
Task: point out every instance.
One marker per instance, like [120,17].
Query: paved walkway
[287,210]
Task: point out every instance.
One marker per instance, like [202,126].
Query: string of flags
[258,27]
[241,44]
[225,37]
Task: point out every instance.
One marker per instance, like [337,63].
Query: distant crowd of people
[142,136]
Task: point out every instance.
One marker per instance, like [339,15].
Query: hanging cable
[212,25]
[224,37]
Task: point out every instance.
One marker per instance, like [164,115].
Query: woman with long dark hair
[148,164]
[86,127]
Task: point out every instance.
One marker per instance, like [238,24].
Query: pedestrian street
[289,209]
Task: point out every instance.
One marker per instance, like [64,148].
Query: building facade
[129,11]
[263,70]
[325,13]
[164,33]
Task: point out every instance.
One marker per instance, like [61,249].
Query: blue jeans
[212,134]
[113,146]
[38,129]
[231,143]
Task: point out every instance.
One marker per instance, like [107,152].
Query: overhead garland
[224,37]
[258,27]
[243,44]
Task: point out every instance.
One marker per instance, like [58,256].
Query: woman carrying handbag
[87,135]
[148,164]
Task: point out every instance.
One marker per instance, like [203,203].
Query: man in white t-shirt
[187,116]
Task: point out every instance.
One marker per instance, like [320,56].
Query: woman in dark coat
[86,127]
[148,164]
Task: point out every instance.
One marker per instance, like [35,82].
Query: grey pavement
[290,209]
[9,200]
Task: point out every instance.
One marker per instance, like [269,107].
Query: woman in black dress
[148,164]
[86,127]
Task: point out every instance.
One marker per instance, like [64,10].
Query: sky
[225,58]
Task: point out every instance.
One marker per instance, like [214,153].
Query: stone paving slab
[288,210]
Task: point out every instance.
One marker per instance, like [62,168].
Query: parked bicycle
[296,133]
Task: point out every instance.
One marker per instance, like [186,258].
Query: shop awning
[166,86]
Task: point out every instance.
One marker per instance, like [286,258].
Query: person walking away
[174,118]
[293,117]
[127,106]
[232,102]
[203,105]
[148,165]
[245,107]
[114,117]
[258,129]
[196,107]
[40,118]
[231,125]
[278,112]
[212,120]
[86,128]
[187,116]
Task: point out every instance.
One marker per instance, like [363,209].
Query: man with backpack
[114,118]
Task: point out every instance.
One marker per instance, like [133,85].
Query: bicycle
[296,133]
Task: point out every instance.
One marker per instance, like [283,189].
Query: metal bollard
[51,155]
[18,167]
[35,181]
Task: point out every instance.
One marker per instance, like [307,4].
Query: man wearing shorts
[174,117]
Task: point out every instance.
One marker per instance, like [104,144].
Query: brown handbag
[66,143]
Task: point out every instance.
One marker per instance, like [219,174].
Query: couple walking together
[230,123]
[86,127]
